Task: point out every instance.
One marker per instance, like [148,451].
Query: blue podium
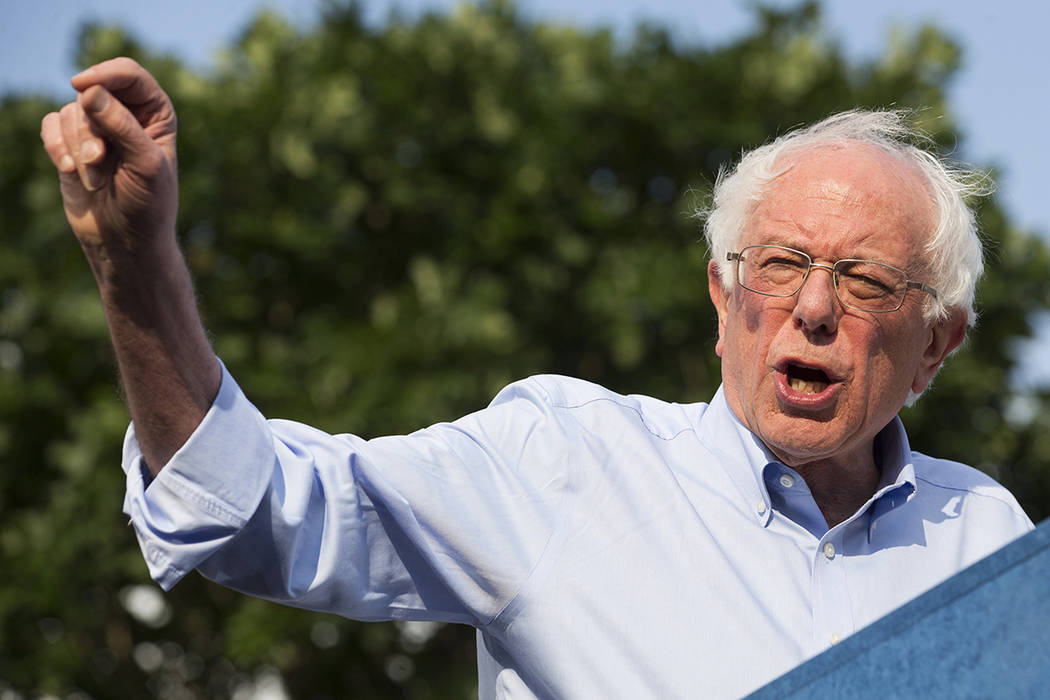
[984,633]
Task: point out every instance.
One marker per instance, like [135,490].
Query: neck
[840,487]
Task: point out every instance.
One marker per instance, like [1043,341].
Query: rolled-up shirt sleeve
[206,493]
[442,524]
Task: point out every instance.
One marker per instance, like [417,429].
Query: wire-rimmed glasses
[865,285]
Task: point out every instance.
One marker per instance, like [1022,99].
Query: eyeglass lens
[863,284]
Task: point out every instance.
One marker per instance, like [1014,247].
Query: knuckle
[126,63]
[54,147]
[153,161]
[48,125]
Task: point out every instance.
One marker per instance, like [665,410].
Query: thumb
[112,120]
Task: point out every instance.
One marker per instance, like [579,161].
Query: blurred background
[390,212]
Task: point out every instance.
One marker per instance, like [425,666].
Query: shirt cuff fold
[208,490]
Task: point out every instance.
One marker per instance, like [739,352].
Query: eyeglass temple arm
[923,287]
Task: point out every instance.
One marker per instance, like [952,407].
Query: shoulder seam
[641,416]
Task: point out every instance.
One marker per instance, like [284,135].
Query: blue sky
[1000,97]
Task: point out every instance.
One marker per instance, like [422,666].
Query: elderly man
[602,545]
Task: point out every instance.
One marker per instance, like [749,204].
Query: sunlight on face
[813,379]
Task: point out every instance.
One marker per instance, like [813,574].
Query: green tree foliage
[387,225]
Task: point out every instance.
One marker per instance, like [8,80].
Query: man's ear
[720,298]
[943,337]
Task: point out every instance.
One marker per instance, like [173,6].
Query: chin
[804,439]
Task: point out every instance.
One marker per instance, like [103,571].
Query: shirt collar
[898,484]
[743,455]
[745,458]
[894,453]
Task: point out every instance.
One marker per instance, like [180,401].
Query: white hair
[953,248]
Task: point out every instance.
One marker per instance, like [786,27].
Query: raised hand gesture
[114,148]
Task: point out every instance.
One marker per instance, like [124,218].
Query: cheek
[752,315]
[739,327]
[756,329]
[889,365]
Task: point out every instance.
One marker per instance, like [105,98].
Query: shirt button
[761,507]
[835,638]
[829,550]
[787,481]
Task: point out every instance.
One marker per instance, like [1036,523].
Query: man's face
[812,378]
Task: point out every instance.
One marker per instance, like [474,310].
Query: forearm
[114,151]
[168,369]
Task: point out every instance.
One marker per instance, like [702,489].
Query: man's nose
[817,307]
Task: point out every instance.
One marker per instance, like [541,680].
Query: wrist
[119,267]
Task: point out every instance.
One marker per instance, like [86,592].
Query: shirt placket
[832,609]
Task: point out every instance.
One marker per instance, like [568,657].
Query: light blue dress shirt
[604,546]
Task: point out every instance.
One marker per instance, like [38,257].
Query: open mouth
[807,380]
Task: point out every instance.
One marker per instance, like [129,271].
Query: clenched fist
[114,148]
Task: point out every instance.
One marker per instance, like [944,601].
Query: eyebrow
[794,243]
[906,268]
[791,233]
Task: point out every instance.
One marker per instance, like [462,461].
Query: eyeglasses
[864,285]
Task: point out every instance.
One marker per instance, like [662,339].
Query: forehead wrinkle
[850,247]
[876,188]
[851,193]
[893,176]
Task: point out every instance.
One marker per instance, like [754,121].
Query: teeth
[806,386]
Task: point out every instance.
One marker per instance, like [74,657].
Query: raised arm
[114,149]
